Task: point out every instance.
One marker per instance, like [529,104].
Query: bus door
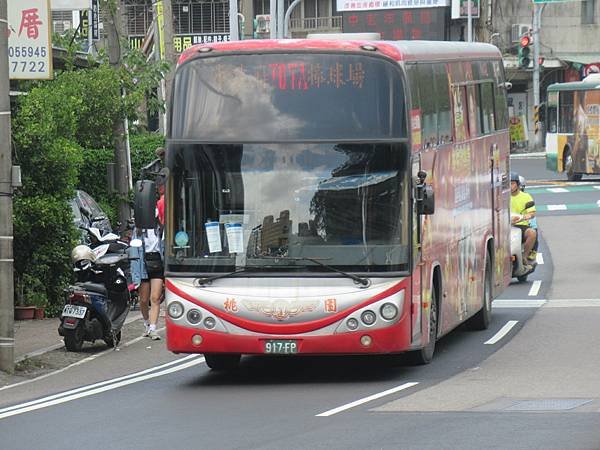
[417,261]
[498,227]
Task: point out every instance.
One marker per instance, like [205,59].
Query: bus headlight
[352,324]
[175,310]
[388,311]
[194,316]
[368,317]
[210,323]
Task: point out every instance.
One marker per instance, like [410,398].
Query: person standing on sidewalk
[148,271]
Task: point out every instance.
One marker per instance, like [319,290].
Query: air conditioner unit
[263,24]
[518,30]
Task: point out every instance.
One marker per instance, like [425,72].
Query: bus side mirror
[424,195]
[144,206]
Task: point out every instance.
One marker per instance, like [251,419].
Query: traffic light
[525,51]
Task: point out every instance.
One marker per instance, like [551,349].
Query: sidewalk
[35,337]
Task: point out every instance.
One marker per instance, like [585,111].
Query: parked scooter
[98,303]
[519,270]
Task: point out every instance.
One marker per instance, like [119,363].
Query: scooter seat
[93,287]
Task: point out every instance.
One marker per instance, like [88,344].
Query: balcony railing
[333,23]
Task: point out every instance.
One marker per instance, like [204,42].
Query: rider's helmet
[82,256]
[514,176]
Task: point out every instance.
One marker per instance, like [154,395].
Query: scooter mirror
[135,243]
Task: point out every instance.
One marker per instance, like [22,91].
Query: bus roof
[591,83]
[397,50]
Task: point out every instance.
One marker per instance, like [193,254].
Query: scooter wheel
[74,339]
[109,340]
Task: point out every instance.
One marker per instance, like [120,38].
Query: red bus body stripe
[288,328]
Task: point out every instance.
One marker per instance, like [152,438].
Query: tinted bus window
[428,104]
[487,107]
[475,93]
[285,97]
[442,96]
[500,100]
[565,112]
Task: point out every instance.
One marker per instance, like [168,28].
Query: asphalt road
[528,382]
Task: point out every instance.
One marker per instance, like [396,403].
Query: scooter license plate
[74,311]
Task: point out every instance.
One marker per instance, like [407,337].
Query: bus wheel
[425,355]
[568,166]
[222,361]
[481,320]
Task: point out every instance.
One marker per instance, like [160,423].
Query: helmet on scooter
[82,255]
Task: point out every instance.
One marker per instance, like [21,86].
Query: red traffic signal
[525,40]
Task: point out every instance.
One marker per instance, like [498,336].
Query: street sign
[95,20]
[29,48]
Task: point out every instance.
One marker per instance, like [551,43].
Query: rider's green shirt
[517,205]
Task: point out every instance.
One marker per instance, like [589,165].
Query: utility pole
[537,22]
[7,341]
[114,33]
[164,41]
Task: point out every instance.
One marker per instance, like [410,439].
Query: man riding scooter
[522,217]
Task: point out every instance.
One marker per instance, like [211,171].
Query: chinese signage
[460,9]
[182,42]
[29,49]
[365,5]
[424,23]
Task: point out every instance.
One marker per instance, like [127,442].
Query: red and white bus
[300,212]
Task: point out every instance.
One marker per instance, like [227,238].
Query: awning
[580,58]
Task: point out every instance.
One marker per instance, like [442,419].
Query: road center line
[556,207]
[539,258]
[535,288]
[502,332]
[98,388]
[331,412]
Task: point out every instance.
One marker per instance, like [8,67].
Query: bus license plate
[74,311]
[281,347]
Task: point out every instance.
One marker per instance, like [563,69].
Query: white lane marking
[331,412]
[83,361]
[45,402]
[574,303]
[557,189]
[556,207]
[535,288]
[95,385]
[596,187]
[539,258]
[502,332]
[518,303]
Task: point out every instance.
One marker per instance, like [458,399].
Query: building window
[261,6]
[316,8]
[62,21]
[588,8]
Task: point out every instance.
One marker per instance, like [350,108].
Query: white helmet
[82,253]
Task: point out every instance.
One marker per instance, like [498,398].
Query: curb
[529,155]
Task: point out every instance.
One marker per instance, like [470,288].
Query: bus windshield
[239,205]
[288,97]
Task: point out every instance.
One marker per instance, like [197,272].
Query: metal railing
[333,23]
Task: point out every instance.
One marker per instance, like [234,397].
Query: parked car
[87,213]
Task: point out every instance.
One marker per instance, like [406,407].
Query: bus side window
[565,112]
[487,107]
[428,104]
[551,119]
[500,101]
[442,95]
[475,109]
[412,74]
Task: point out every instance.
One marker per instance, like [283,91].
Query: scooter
[519,270]
[98,303]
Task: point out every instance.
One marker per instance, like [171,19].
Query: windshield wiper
[207,280]
[365,282]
